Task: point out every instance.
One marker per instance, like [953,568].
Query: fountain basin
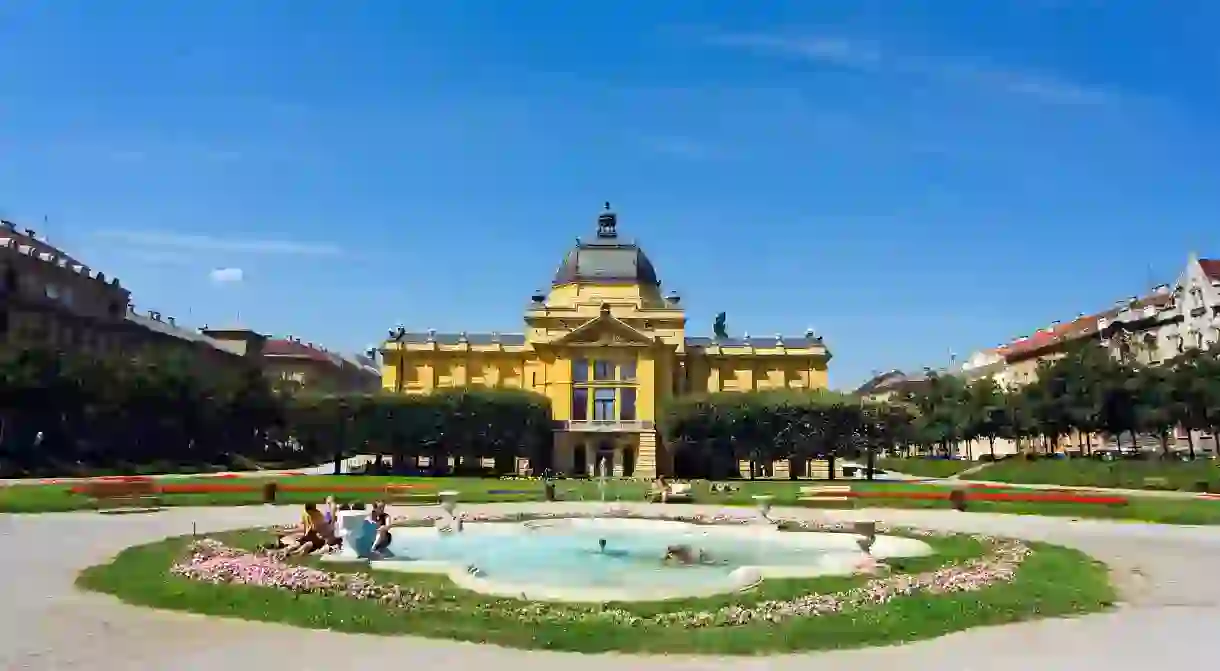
[559,559]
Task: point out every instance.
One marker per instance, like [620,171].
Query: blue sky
[908,178]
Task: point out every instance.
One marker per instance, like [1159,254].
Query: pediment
[605,330]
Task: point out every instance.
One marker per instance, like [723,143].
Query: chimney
[171,321]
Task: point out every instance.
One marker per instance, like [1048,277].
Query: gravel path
[1168,572]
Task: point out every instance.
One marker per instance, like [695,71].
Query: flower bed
[257,487]
[213,562]
[996,497]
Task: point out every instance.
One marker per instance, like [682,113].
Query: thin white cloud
[199,243]
[226,276]
[868,56]
[831,50]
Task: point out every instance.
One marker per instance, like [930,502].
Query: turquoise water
[570,557]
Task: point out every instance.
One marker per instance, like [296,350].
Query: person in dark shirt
[379,517]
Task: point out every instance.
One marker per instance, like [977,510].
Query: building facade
[50,298]
[1184,316]
[293,365]
[607,347]
[1146,330]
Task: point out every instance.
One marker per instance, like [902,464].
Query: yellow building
[607,348]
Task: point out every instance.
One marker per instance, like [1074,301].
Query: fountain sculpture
[763,502]
[448,501]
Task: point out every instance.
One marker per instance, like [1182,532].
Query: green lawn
[926,468]
[1199,475]
[55,498]
[1053,581]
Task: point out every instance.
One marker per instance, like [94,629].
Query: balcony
[604,425]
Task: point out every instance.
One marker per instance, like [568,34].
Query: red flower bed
[349,489]
[250,486]
[1009,497]
[206,488]
[1050,497]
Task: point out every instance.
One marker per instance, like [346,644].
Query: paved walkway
[46,624]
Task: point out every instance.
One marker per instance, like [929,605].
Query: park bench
[1157,482]
[675,492]
[134,495]
[826,496]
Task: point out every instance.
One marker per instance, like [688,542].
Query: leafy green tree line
[65,414]
[1087,394]
[712,434]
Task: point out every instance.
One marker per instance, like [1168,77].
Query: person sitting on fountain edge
[316,533]
[379,517]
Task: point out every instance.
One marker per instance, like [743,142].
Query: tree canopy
[67,414]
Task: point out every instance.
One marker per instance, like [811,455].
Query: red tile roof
[1211,268]
[1077,329]
[287,347]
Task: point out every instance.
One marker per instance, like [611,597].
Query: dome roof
[607,258]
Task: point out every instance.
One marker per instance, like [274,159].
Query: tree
[986,411]
[940,412]
[708,432]
[66,413]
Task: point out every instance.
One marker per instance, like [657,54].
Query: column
[646,455]
[616,468]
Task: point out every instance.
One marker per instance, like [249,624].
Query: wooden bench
[675,492]
[134,495]
[1157,482]
[827,496]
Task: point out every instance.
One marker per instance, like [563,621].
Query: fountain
[866,538]
[763,502]
[867,532]
[562,559]
[448,501]
[601,488]
[358,534]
